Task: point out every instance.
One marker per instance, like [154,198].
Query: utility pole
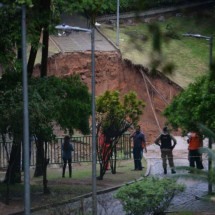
[93,84]
[25,115]
[117,24]
[210,39]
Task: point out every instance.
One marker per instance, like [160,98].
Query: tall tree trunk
[31,61]
[39,158]
[45,47]
[45,181]
[104,159]
[113,163]
[13,174]
[46,5]
[7,198]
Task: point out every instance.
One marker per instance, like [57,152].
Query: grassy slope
[189,55]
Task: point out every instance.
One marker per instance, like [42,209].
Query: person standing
[139,144]
[164,140]
[195,142]
[67,149]
[104,146]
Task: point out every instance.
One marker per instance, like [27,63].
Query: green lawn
[63,189]
[189,55]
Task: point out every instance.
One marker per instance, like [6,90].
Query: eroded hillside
[113,73]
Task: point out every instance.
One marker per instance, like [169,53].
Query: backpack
[166,141]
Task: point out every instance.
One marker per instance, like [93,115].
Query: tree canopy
[193,106]
[115,115]
[65,101]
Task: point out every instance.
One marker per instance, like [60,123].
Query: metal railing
[82,150]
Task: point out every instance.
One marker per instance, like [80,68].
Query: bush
[151,195]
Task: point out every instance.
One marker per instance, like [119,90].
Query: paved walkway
[81,41]
[195,188]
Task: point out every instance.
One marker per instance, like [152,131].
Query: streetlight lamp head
[71,28]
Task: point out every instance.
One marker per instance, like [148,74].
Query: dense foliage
[115,116]
[150,195]
[62,101]
[65,101]
[193,106]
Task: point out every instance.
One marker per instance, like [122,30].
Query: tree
[65,101]
[10,35]
[41,17]
[194,105]
[11,110]
[114,117]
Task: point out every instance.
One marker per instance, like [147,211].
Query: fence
[82,152]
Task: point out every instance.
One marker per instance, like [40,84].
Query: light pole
[210,39]
[25,115]
[117,24]
[94,155]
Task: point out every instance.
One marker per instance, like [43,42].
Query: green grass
[189,55]
[63,189]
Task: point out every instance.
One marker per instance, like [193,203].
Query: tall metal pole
[117,24]
[25,116]
[94,156]
[210,186]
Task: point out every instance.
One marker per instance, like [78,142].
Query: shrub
[151,195]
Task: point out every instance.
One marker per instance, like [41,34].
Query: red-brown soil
[114,73]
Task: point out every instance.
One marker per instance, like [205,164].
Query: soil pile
[113,73]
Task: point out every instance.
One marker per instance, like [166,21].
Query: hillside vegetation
[189,55]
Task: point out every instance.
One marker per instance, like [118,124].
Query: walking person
[165,140]
[195,142]
[139,144]
[67,149]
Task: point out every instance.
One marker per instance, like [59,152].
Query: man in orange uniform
[195,142]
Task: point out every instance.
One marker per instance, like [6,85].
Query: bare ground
[114,73]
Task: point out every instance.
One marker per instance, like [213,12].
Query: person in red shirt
[105,151]
[195,142]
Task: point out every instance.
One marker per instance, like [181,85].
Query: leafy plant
[198,100]
[151,195]
[114,117]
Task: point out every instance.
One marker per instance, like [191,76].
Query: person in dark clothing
[67,149]
[165,142]
[139,144]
